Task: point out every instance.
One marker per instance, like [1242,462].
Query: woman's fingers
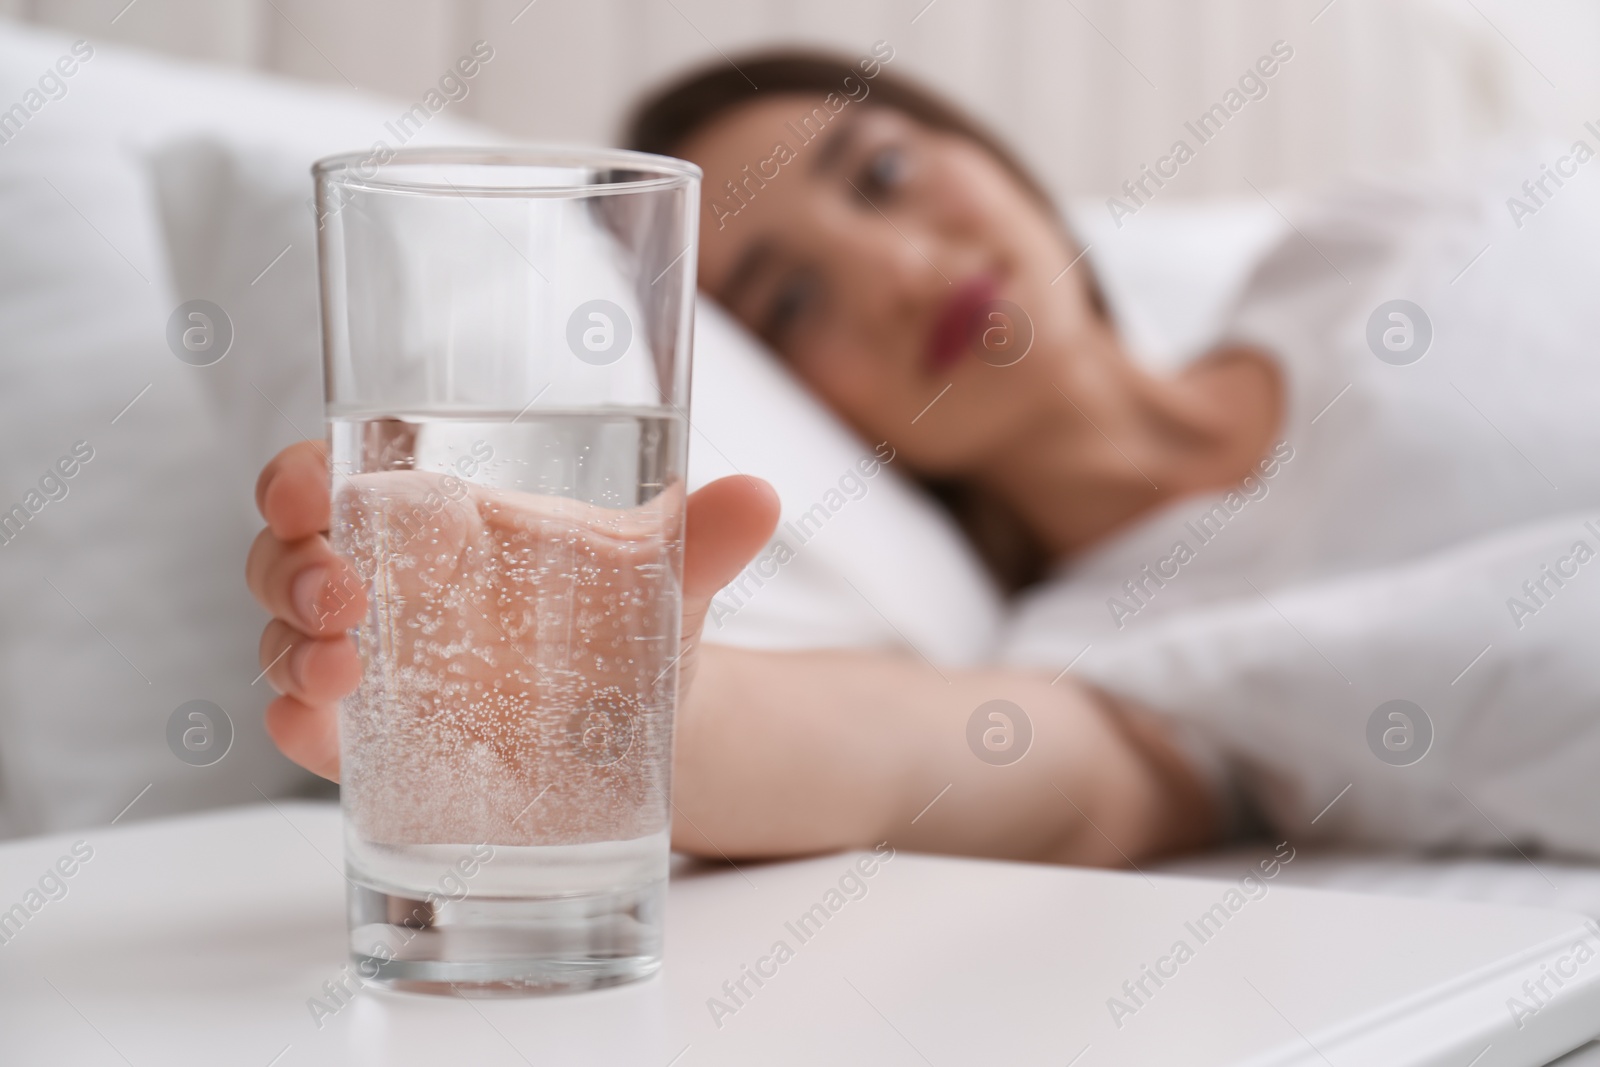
[312,674]
[306,733]
[315,595]
[291,569]
[305,584]
[310,669]
[295,575]
[728,522]
[292,492]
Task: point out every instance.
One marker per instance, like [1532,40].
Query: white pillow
[1171,272]
[863,544]
[154,181]
[125,597]
[860,557]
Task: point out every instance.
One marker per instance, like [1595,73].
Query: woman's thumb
[727,523]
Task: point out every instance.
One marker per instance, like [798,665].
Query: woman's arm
[777,753]
[780,753]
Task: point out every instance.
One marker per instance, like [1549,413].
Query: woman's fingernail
[307,593]
[298,659]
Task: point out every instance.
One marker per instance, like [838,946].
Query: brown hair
[670,116]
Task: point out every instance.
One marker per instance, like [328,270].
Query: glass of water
[506,343]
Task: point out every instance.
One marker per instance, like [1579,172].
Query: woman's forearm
[783,753]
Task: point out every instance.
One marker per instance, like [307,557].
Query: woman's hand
[315,596]
[778,753]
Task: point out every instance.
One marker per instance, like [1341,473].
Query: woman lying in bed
[875,238]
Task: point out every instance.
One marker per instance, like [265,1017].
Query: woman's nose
[887,268]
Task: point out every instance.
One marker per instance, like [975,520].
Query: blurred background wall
[1088,89]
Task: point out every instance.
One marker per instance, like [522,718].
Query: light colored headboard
[1089,90]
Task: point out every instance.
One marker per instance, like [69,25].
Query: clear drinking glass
[506,343]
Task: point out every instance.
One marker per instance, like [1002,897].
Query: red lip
[953,330]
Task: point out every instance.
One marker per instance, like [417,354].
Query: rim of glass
[663,171]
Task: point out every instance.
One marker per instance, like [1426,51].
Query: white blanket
[1424,538]
[1286,689]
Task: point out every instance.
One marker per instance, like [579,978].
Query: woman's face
[897,269]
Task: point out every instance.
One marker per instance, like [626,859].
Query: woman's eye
[885,170]
[790,302]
